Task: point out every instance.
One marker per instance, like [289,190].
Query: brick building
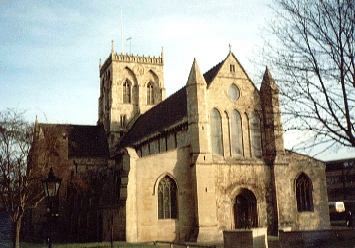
[341,181]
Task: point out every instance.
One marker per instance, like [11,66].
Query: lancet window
[256,135]
[304,190]
[150,95]
[216,132]
[167,199]
[127,91]
[236,133]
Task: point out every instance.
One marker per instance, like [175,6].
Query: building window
[256,135]
[175,139]
[127,92]
[249,134]
[236,133]
[216,132]
[107,99]
[233,92]
[166,142]
[304,190]
[232,68]
[167,199]
[123,120]
[150,95]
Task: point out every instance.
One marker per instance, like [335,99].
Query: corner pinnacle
[195,76]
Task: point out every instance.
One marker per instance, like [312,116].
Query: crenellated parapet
[130,58]
[138,59]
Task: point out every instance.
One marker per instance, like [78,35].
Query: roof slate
[83,140]
[159,117]
[211,73]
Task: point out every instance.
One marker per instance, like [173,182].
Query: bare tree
[20,175]
[312,52]
[15,173]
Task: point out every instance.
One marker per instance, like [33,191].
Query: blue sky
[50,50]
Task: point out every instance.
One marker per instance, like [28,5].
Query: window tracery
[167,199]
[304,196]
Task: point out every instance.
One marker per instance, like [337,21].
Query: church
[186,167]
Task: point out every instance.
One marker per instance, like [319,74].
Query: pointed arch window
[256,135]
[127,91]
[247,121]
[304,196]
[216,132]
[236,133]
[107,98]
[150,95]
[167,199]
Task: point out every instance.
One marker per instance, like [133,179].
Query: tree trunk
[16,234]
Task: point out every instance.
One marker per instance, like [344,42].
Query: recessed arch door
[245,210]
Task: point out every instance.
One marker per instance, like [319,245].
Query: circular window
[233,92]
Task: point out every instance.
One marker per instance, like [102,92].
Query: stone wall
[230,179]
[218,184]
[285,176]
[142,221]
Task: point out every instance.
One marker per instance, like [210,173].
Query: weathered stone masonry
[208,158]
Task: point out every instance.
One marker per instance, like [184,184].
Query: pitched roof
[211,73]
[290,152]
[83,140]
[159,117]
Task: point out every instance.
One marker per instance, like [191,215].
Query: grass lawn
[78,245]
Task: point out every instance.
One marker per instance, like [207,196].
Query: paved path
[273,242]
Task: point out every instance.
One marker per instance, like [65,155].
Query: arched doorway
[245,212]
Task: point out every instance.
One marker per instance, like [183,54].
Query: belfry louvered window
[127,92]
[304,190]
[167,199]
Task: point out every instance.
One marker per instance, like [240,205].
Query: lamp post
[51,186]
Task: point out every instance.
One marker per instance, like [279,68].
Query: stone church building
[208,158]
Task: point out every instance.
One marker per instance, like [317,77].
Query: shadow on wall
[186,224]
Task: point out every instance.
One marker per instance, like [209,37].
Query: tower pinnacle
[268,80]
[195,76]
[112,46]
